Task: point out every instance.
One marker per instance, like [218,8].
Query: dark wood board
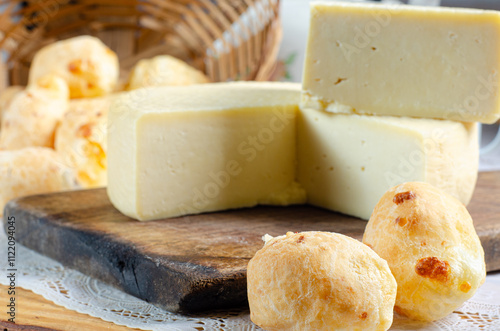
[191,263]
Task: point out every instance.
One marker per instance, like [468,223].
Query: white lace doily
[73,290]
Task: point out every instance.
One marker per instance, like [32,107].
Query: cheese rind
[347,162]
[185,150]
[431,62]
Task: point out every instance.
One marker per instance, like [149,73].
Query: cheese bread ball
[6,97]
[319,281]
[81,140]
[30,171]
[428,239]
[164,70]
[88,66]
[32,116]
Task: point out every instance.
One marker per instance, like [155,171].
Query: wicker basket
[227,39]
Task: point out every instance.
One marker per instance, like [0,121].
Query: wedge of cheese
[431,62]
[347,162]
[185,150]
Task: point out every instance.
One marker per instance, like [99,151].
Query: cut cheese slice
[347,162]
[185,150]
[431,62]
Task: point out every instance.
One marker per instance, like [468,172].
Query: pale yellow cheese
[185,150]
[347,162]
[400,60]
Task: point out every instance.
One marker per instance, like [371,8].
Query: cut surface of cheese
[185,150]
[431,62]
[347,162]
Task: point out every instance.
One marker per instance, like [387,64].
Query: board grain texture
[191,263]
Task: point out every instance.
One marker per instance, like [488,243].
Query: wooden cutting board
[191,263]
